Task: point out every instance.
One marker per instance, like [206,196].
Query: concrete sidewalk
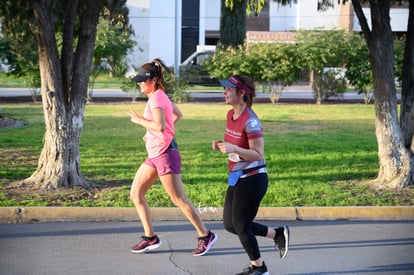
[53,214]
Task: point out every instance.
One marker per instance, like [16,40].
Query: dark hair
[248,97]
[158,67]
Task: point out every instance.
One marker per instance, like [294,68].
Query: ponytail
[157,66]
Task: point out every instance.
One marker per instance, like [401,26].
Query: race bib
[234,157]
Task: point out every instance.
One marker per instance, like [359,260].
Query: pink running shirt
[157,142]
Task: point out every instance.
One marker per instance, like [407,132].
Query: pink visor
[234,82]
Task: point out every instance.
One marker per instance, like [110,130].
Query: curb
[95,214]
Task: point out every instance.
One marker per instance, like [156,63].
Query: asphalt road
[316,247]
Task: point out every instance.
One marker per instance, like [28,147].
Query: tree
[358,69]
[321,50]
[394,138]
[274,65]
[407,91]
[113,43]
[26,66]
[227,61]
[64,81]
[113,39]
[233,20]
[21,52]
[233,23]
[5,51]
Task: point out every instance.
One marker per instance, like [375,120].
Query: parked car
[4,68]
[193,68]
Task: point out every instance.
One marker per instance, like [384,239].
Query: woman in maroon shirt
[248,181]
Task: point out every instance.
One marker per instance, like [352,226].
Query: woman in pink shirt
[163,161]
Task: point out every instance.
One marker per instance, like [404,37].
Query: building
[171,29]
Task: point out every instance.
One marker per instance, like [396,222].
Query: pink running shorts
[168,162]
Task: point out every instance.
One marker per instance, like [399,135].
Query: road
[291,92]
[316,247]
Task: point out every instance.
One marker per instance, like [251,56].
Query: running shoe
[205,243]
[282,240]
[255,270]
[146,243]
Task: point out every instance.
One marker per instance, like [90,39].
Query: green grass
[103,81]
[316,155]
[9,81]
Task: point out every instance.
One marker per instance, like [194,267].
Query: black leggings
[240,208]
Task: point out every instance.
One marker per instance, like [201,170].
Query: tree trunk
[59,162]
[276,90]
[407,91]
[64,89]
[395,159]
[233,24]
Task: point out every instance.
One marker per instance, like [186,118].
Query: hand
[215,144]
[227,147]
[135,117]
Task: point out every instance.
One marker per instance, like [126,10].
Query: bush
[329,83]
[176,90]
